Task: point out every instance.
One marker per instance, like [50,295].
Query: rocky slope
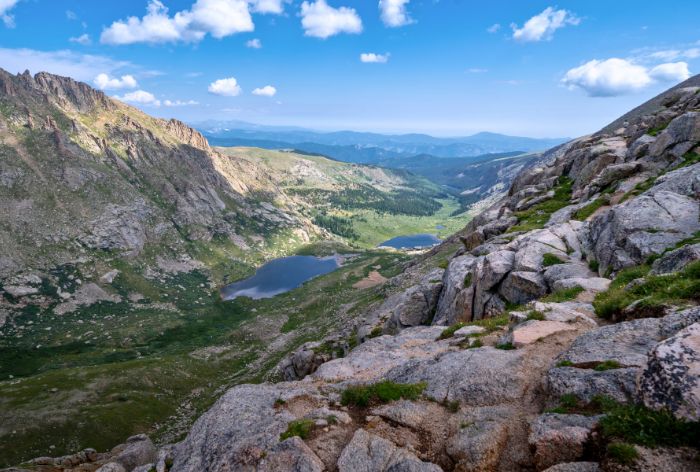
[562,333]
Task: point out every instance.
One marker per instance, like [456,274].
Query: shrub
[301,428]
[453,406]
[381,392]
[594,265]
[376,331]
[622,453]
[549,259]
[505,346]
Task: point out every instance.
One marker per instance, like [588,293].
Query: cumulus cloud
[68,63]
[374,58]
[83,39]
[225,87]
[220,18]
[320,20]
[105,82]
[140,97]
[494,28]
[179,103]
[5,7]
[613,77]
[670,72]
[542,27]
[266,91]
[253,43]
[268,6]
[393,13]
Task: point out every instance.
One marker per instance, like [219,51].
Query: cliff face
[571,303]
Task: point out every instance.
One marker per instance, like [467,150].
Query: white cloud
[674,54]
[71,15]
[322,21]
[140,97]
[613,77]
[105,82]
[494,28]
[375,58]
[266,91]
[253,43]
[542,27]
[225,87]
[670,72]
[268,6]
[220,18]
[5,7]
[83,39]
[68,63]
[179,103]
[393,13]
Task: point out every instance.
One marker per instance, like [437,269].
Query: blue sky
[436,66]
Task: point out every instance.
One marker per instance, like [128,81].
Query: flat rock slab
[590,284]
[369,453]
[531,331]
[559,438]
[468,331]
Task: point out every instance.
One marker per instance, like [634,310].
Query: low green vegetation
[622,453]
[657,129]
[381,392]
[563,295]
[637,424]
[549,259]
[565,363]
[689,159]
[607,365]
[491,324]
[535,315]
[301,428]
[505,346]
[649,293]
[639,189]
[376,332]
[594,265]
[537,216]
[582,213]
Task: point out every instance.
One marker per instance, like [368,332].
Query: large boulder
[630,232]
[477,377]
[451,307]
[671,380]
[291,455]
[480,441]
[367,452]
[674,261]
[239,428]
[521,287]
[557,438]
[138,450]
[413,307]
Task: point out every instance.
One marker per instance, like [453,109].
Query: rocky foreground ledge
[563,336]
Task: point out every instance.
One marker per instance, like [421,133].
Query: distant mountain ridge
[238,133]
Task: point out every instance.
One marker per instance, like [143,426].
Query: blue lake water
[412,240]
[281,275]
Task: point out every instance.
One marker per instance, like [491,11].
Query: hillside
[558,331]
[117,230]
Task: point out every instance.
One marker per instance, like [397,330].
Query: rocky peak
[186,134]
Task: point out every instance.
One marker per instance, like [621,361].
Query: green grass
[607,365]
[505,346]
[450,331]
[637,424]
[491,324]
[563,295]
[549,259]
[652,294]
[622,453]
[381,392]
[582,213]
[594,265]
[301,428]
[376,332]
[657,129]
[538,215]
[689,159]
[565,363]
[639,189]
[535,315]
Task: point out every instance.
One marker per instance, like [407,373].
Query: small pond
[281,275]
[412,241]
